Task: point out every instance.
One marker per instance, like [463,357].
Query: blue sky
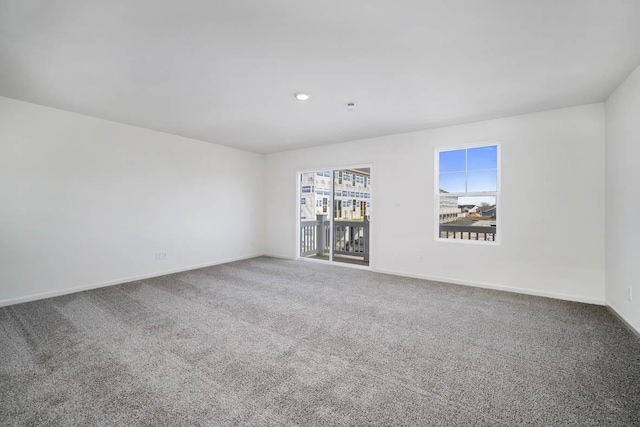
[469,170]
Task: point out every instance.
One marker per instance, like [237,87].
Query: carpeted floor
[278,342]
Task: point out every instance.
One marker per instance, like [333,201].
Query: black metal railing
[468,232]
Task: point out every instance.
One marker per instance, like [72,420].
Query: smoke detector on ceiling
[351,106]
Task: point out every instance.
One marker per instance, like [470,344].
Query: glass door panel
[315,207]
[352,207]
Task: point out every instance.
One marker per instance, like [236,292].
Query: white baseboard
[535,292]
[619,315]
[75,289]
[566,297]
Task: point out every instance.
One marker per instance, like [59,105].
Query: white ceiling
[225,71]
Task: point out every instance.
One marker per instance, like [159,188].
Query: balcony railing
[351,237]
[468,232]
[314,237]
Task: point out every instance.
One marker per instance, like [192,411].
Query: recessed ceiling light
[301,96]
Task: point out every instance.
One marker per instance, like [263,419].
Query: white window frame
[496,194]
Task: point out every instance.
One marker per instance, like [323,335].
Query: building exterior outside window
[352,194]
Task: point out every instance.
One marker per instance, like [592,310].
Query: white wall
[552,205]
[86,202]
[622,111]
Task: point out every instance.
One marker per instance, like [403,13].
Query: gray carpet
[277,342]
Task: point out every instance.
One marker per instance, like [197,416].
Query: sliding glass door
[315,223]
[335,212]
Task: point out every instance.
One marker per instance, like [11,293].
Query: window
[467,193]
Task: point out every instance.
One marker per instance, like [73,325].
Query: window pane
[482,158]
[468,218]
[452,161]
[479,181]
[452,182]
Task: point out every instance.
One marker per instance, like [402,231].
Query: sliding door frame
[330,210]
